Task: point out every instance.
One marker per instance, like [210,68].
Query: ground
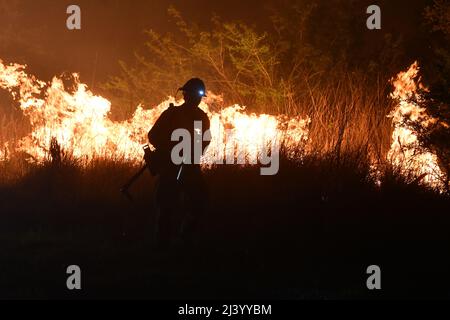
[307,233]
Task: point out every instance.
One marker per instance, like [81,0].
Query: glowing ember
[406,153]
[4,152]
[79,122]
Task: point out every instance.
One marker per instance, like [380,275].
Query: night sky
[112,29]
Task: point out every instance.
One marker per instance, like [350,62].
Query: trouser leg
[166,193]
[196,204]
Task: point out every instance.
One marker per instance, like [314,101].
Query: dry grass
[348,113]
[285,236]
[308,232]
[348,134]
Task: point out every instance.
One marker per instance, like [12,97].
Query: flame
[80,123]
[4,153]
[406,153]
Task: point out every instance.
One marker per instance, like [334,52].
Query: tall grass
[348,111]
[308,232]
[349,124]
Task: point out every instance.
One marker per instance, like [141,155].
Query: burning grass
[335,207]
[342,118]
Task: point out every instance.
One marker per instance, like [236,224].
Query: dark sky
[36,33]
[111,30]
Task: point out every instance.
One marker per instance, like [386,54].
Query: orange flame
[406,153]
[79,122]
[4,152]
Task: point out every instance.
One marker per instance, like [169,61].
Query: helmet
[196,86]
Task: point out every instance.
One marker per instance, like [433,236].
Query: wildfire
[406,153]
[79,121]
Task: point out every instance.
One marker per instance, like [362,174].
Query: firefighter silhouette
[180,185]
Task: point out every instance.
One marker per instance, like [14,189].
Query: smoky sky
[34,31]
[111,30]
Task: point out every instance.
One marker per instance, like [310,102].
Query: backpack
[155,159]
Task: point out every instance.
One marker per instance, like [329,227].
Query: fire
[242,136]
[406,153]
[80,123]
[4,153]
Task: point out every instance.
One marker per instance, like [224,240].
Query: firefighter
[177,181]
